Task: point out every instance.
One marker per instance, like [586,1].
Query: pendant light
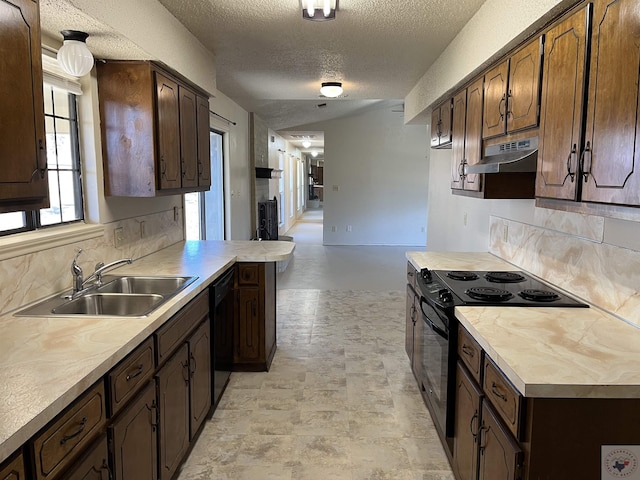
[74,57]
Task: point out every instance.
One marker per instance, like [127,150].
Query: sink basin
[136,284]
[110,304]
[118,296]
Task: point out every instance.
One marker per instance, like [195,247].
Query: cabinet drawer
[173,333]
[13,469]
[126,379]
[503,396]
[248,273]
[63,439]
[470,353]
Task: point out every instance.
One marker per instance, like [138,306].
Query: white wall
[379,167]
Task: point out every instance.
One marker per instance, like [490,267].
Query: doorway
[205,212]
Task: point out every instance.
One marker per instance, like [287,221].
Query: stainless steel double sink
[118,296]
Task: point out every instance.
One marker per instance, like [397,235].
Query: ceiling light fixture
[314,154]
[319,10]
[74,56]
[331,89]
[306,144]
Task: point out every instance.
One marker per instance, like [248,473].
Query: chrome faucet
[79,282]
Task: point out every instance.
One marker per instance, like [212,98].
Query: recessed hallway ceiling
[272,62]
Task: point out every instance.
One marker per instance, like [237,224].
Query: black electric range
[451,288]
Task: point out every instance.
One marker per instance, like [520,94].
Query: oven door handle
[443,333]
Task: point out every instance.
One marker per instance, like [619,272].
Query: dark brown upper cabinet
[596,160]
[441,118]
[512,92]
[155,130]
[467,136]
[23,155]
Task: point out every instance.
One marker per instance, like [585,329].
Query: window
[63,163]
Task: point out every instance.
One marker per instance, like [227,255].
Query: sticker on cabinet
[620,461]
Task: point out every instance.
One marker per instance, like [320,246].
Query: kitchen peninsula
[533,386]
[46,363]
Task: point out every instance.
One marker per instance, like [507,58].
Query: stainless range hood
[513,157]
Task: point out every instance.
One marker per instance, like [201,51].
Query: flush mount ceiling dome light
[331,89]
[319,10]
[306,144]
[74,57]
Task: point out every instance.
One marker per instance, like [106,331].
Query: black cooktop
[508,288]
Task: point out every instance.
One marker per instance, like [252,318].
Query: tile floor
[340,401]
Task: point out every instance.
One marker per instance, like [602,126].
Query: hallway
[340,401]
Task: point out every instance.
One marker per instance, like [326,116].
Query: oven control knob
[445,296]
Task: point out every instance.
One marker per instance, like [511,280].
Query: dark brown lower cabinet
[173,409]
[466,426]
[255,319]
[94,465]
[500,455]
[13,469]
[134,440]
[200,376]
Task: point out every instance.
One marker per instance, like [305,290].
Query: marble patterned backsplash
[26,278]
[580,262]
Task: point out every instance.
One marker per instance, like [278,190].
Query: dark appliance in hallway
[268,220]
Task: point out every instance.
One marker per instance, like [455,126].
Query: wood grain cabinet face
[503,396]
[511,92]
[23,162]
[500,455]
[561,108]
[94,465]
[441,128]
[155,130]
[611,156]
[466,426]
[66,437]
[133,438]
[199,377]
[13,469]
[467,136]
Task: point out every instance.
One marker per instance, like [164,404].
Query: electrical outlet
[464,219]
[423,229]
[143,230]
[118,237]
[335,188]
[349,228]
[334,228]
[176,214]
[505,233]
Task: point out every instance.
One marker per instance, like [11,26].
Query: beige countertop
[46,362]
[548,352]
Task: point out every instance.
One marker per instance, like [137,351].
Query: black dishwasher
[222,337]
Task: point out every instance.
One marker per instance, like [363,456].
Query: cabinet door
[495,100]
[134,439]
[94,466]
[524,87]
[23,162]
[435,127]
[200,376]
[204,156]
[173,411]
[248,335]
[188,137]
[458,143]
[561,107]
[445,123]
[500,455]
[168,132]
[611,168]
[466,427]
[13,469]
[473,133]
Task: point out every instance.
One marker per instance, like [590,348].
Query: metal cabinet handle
[474,434]
[480,438]
[66,438]
[138,372]
[502,103]
[43,153]
[163,166]
[496,392]
[154,415]
[185,368]
[195,365]
[569,172]
[200,168]
[586,172]
[508,104]
[468,350]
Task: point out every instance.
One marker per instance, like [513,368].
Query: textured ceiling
[271,61]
